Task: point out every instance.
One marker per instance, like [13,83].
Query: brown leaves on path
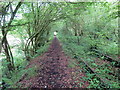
[53,71]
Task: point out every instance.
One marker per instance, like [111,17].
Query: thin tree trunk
[0,44]
[8,54]
[5,45]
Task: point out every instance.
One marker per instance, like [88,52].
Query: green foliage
[20,65]
[100,36]
[10,78]
[85,30]
[42,50]
[17,75]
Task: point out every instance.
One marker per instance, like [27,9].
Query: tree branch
[17,25]
[14,13]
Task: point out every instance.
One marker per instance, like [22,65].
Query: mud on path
[53,70]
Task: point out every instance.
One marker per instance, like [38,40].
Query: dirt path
[53,70]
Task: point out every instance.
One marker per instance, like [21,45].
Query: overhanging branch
[17,25]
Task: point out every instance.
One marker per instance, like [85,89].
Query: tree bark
[0,44]
[5,44]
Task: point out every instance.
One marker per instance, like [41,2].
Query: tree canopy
[85,29]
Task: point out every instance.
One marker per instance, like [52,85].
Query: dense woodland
[87,31]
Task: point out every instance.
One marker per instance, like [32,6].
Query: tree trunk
[8,53]
[5,45]
[0,44]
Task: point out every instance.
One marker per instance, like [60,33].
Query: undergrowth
[83,51]
[11,79]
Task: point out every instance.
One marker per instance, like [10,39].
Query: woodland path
[53,70]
